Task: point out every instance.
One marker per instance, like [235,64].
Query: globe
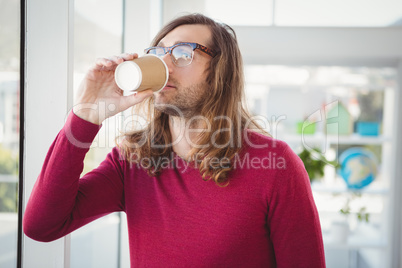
[358,167]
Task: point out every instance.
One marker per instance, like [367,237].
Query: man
[199,185]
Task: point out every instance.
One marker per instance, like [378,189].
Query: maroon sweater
[265,217]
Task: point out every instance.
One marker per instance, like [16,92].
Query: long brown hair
[223,108]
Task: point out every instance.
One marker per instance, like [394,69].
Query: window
[97,244]
[357,13]
[9,130]
[238,12]
[284,96]
[331,13]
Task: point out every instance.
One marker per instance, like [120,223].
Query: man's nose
[168,60]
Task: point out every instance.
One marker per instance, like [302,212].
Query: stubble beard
[186,102]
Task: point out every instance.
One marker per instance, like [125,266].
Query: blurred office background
[303,60]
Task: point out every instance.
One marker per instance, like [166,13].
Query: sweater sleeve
[293,218]
[62,202]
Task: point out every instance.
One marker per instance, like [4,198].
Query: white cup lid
[128,76]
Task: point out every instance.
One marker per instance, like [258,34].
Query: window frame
[47,46]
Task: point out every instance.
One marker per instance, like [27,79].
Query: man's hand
[99,97]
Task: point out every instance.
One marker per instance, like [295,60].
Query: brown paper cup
[146,72]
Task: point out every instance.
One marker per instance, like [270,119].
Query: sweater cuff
[80,132]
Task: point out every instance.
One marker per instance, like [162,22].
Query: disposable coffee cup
[146,72]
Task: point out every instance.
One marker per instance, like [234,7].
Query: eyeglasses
[182,54]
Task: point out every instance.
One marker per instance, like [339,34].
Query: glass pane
[283,96]
[238,12]
[9,130]
[96,245]
[358,13]
[304,91]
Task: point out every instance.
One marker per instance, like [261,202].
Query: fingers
[133,99]
[129,56]
[140,96]
[107,64]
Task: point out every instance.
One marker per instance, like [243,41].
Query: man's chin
[168,108]
[169,111]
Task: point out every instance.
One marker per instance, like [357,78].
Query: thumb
[135,98]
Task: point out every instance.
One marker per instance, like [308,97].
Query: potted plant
[362,214]
[314,162]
